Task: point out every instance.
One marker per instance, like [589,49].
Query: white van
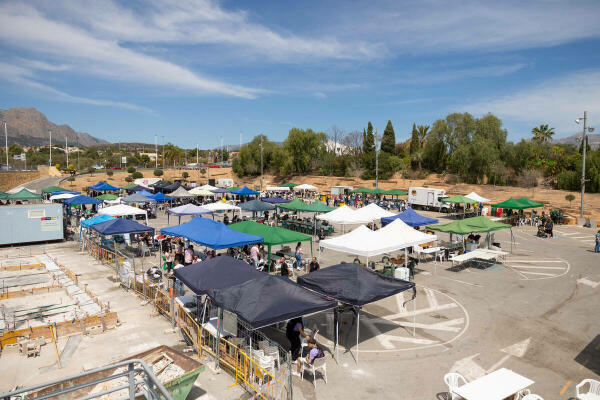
[427,198]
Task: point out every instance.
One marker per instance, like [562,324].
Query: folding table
[498,385]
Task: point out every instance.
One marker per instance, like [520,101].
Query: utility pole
[155,151]
[6,143]
[120,157]
[584,148]
[261,162]
[376,161]
[50,160]
[78,151]
[197,162]
[221,150]
[67,149]
[163,152]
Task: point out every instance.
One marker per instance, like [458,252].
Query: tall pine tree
[370,139]
[388,142]
[368,158]
[414,141]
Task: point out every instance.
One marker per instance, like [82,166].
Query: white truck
[427,198]
[337,190]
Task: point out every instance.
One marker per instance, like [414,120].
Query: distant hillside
[29,127]
[593,140]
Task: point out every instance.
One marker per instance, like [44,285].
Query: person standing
[293,330]
[188,255]
[314,265]
[169,260]
[179,291]
[283,268]
[597,248]
[254,255]
[298,254]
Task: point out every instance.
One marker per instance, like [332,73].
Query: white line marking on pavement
[538,273]
[421,311]
[456,280]
[515,271]
[580,237]
[536,267]
[537,261]
[588,282]
[447,326]
[433,303]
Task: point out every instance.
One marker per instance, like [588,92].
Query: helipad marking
[421,311]
[535,267]
[538,273]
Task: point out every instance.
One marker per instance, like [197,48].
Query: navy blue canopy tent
[216,273]
[137,188]
[269,299]
[220,190]
[104,186]
[210,233]
[172,187]
[256,206]
[146,193]
[355,285]
[245,191]
[120,226]
[275,200]
[410,218]
[81,199]
[137,198]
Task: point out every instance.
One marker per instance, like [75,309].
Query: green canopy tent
[3,196]
[273,235]
[24,194]
[378,191]
[52,189]
[316,207]
[289,185]
[362,190]
[530,203]
[130,186]
[466,226]
[459,200]
[511,204]
[106,196]
[294,205]
[233,188]
[395,192]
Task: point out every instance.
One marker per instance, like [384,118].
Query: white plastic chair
[592,394]
[522,393]
[313,335]
[452,379]
[270,350]
[419,251]
[318,364]
[532,397]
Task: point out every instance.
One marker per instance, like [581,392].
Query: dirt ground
[551,197]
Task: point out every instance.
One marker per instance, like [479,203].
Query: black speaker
[211,182]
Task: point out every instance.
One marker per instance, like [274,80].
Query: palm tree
[422,131]
[542,133]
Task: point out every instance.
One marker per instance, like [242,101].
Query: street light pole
[376,162]
[78,151]
[67,149]
[583,146]
[50,160]
[261,163]
[163,152]
[155,151]
[6,143]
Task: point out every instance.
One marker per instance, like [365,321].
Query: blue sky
[196,70]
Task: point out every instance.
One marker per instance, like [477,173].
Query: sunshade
[160,184]
[137,198]
[216,273]
[477,198]
[52,189]
[245,191]
[378,191]
[269,299]
[343,215]
[210,233]
[305,186]
[106,196]
[256,206]
[146,182]
[146,193]
[459,200]
[277,189]
[81,199]
[411,218]
[23,194]
[470,225]
[19,189]
[207,187]
[290,185]
[187,209]
[275,200]
[66,191]
[512,204]
[395,192]
[103,186]
[318,207]
[220,190]
[130,186]
[120,226]
[362,241]
[233,188]
[405,234]
[362,190]
[62,196]
[160,196]
[122,210]
[530,203]
[181,193]
[299,205]
[96,220]
[172,187]
[220,206]
[272,235]
[372,212]
[135,188]
[3,195]
[354,284]
[201,192]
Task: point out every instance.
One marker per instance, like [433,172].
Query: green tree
[128,179]
[542,133]
[248,160]
[303,151]
[368,157]
[185,175]
[109,173]
[569,198]
[144,159]
[131,170]
[414,140]
[158,172]
[137,175]
[422,131]
[388,141]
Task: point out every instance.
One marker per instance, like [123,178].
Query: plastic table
[498,385]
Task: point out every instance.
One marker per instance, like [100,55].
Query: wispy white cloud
[23,76]
[557,102]
[429,77]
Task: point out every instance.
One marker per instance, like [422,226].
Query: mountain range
[29,127]
[593,140]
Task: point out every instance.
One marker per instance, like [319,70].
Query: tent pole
[219,325]
[414,316]
[357,331]
[336,312]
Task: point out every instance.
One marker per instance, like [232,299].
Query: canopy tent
[106,196]
[86,223]
[135,188]
[269,299]
[120,226]
[160,196]
[121,210]
[23,194]
[137,198]
[146,193]
[146,182]
[362,190]
[181,193]
[362,241]
[187,209]
[512,204]
[477,198]
[378,191]
[343,215]
[470,225]
[245,191]
[233,188]
[113,202]
[67,191]
[62,196]
[216,273]
[406,234]
[459,200]
[19,189]
[275,200]
[318,207]
[130,186]
[289,185]
[3,195]
[411,218]
[220,190]
[294,205]
[305,186]
[201,192]
[172,187]
[355,285]
[395,192]
[272,235]
[220,206]
[52,189]
[81,199]
[206,187]
[103,186]
[530,203]
[372,212]
[159,184]
[277,189]
[256,206]
[210,233]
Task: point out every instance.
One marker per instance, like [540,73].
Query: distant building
[151,156]
[336,148]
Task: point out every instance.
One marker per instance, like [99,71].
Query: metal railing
[141,381]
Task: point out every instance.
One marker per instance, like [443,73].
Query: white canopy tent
[478,198]
[181,193]
[277,189]
[122,210]
[63,196]
[220,206]
[305,186]
[372,212]
[343,215]
[113,202]
[146,182]
[362,241]
[18,189]
[200,191]
[407,234]
[205,187]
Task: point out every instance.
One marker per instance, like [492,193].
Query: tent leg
[337,336]
[357,331]
[218,344]
[414,317]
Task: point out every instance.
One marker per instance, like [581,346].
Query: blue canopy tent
[120,226]
[245,191]
[210,233]
[81,199]
[146,193]
[187,209]
[410,218]
[160,196]
[65,192]
[220,190]
[104,186]
[86,223]
[275,200]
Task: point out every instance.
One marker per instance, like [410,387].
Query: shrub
[569,198]
[185,175]
[131,170]
[90,171]
[528,178]
[568,180]
[109,173]
[128,179]
[158,172]
[137,175]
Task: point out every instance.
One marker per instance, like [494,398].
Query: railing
[141,381]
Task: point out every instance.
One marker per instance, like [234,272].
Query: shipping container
[31,223]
